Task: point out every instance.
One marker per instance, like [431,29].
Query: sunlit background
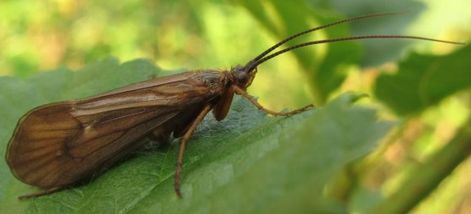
[37,36]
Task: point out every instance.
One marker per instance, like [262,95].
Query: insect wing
[59,144]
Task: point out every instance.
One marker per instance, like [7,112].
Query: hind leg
[41,193]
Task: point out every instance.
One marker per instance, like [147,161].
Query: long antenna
[262,60]
[260,56]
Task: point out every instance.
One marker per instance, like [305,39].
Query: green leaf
[249,162]
[424,80]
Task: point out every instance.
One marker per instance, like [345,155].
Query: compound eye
[242,75]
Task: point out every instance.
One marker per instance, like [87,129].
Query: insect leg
[41,193]
[186,137]
[244,94]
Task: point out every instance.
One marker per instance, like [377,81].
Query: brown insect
[57,145]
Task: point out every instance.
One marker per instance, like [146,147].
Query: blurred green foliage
[430,87]
[435,78]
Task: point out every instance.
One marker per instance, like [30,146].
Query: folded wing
[59,144]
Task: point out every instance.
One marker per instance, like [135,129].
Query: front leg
[244,94]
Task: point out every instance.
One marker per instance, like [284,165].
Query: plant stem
[426,177]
